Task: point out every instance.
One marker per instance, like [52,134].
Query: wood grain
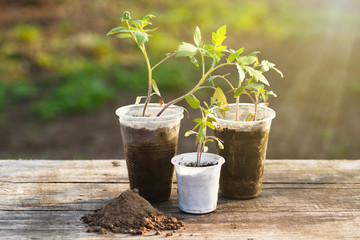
[301,199]
[276,171]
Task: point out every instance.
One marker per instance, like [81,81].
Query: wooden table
[301,199]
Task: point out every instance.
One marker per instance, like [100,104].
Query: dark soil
[130,214]
[242,172]
[148,158]
[193,164]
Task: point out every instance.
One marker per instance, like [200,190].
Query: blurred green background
[61,78]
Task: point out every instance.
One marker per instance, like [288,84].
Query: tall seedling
[135,29]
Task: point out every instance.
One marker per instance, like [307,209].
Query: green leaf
[186,50]
[197,125]
[194,61]
[198,120]
[126,16]
[188,133]
[278,71]
[209,50]
[238,91]
[206,105]
[258,76]
[211,119]
[138,23]
[138,100]
[208,140]
[151,29]
[219,36]
[217,57]
[192,101]
[264,96]
[235,55]
[147,18]
[154,86]
[117,30]
[219,95]
[221,146]
[250,116]
[141,37]
[241,72]
[144,24]
[247,60]
[254,53]
[197,37]
[253,87]
[124,35]
[271,93]
[205,149]
[219,49]
[210,125]
[266,65]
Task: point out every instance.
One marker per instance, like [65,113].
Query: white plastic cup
[197,186]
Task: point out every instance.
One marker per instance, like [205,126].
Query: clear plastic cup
[150,142]
[245,145]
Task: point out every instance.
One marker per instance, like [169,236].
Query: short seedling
[200,129]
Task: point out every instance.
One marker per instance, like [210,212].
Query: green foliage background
[69,65]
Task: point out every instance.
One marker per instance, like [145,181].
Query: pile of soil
[129,214]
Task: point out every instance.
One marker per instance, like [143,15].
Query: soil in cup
[148,156]
[244,153]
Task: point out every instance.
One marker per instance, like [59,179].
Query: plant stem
[237,103]
[255,111]
[163,60]
[237,108]
[222,65]
[213,68]
[226,80]
[198,155]
[202,62]
[143,49]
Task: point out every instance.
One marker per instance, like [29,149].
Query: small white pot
[197,186]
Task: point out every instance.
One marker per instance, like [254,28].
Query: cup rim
[271,116]
[221,160]
[178,112]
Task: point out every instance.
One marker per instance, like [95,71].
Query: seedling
[200,129]
[136,29]
[247,65]
[254,85]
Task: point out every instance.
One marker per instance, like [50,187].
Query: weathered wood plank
[301,199]
[63,171]
[89,196]
[276,171]
[240,225]
[312,171]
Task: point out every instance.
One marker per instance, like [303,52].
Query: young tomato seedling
[200,129]
[136,29]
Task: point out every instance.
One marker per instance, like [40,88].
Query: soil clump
[129,214]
